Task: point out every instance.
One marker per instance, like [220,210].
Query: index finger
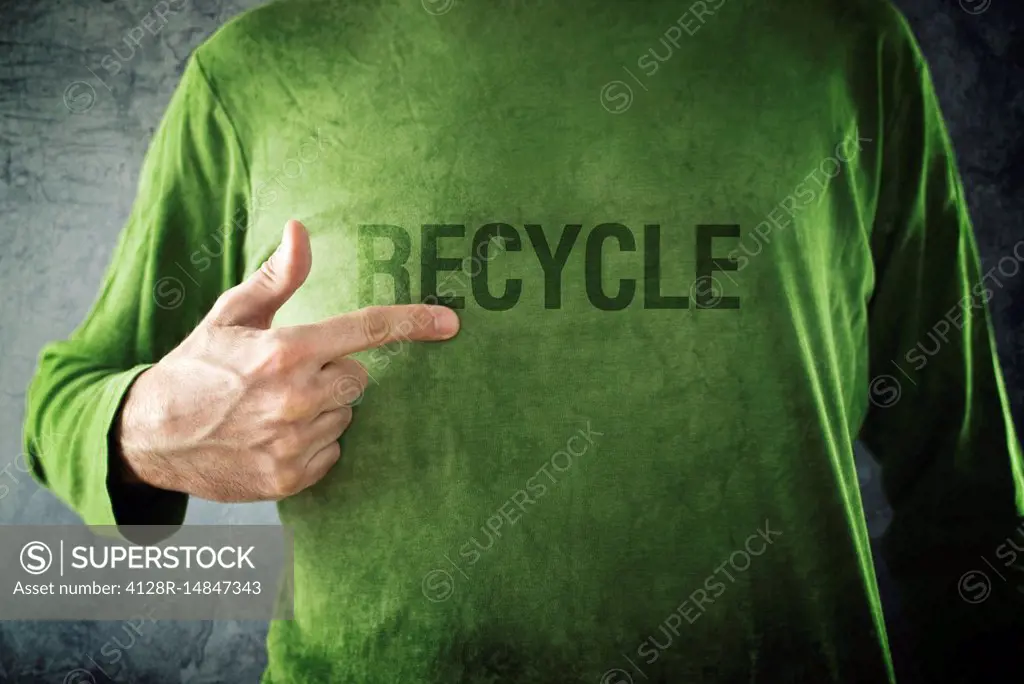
[375,326]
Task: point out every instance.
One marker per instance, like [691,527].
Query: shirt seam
[231,122]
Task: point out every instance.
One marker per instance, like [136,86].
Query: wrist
[130,448]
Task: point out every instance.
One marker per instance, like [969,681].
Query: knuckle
[282,408]
[333,451]
[277,346]
[344,419]
[353,376]
[276,355]
[404,328]
[289,340]
[344,390]
[375,324]
[270,272]
[327,457]
[288,444]
[357,373]
[422,318]
[349,388]
[285,482]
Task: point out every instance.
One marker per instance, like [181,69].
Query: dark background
[70,150]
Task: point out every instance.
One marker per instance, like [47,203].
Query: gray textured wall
[71,146]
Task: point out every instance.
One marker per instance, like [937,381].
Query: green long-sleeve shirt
[696,250]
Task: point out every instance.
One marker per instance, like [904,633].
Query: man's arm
[180,248]
[176,384]
[940,422]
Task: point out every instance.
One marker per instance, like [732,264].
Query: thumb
[255,301]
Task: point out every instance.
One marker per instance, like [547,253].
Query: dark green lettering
[627,286]
[705,295]
[431,263]
[553,264]
[394,265]
[481,245]
[653,299]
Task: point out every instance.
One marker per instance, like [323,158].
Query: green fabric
[635,461]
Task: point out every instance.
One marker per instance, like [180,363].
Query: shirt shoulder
[254,62]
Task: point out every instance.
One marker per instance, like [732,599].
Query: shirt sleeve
[939,420]
[180,248]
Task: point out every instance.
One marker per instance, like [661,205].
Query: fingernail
[285,233]
[446,322]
